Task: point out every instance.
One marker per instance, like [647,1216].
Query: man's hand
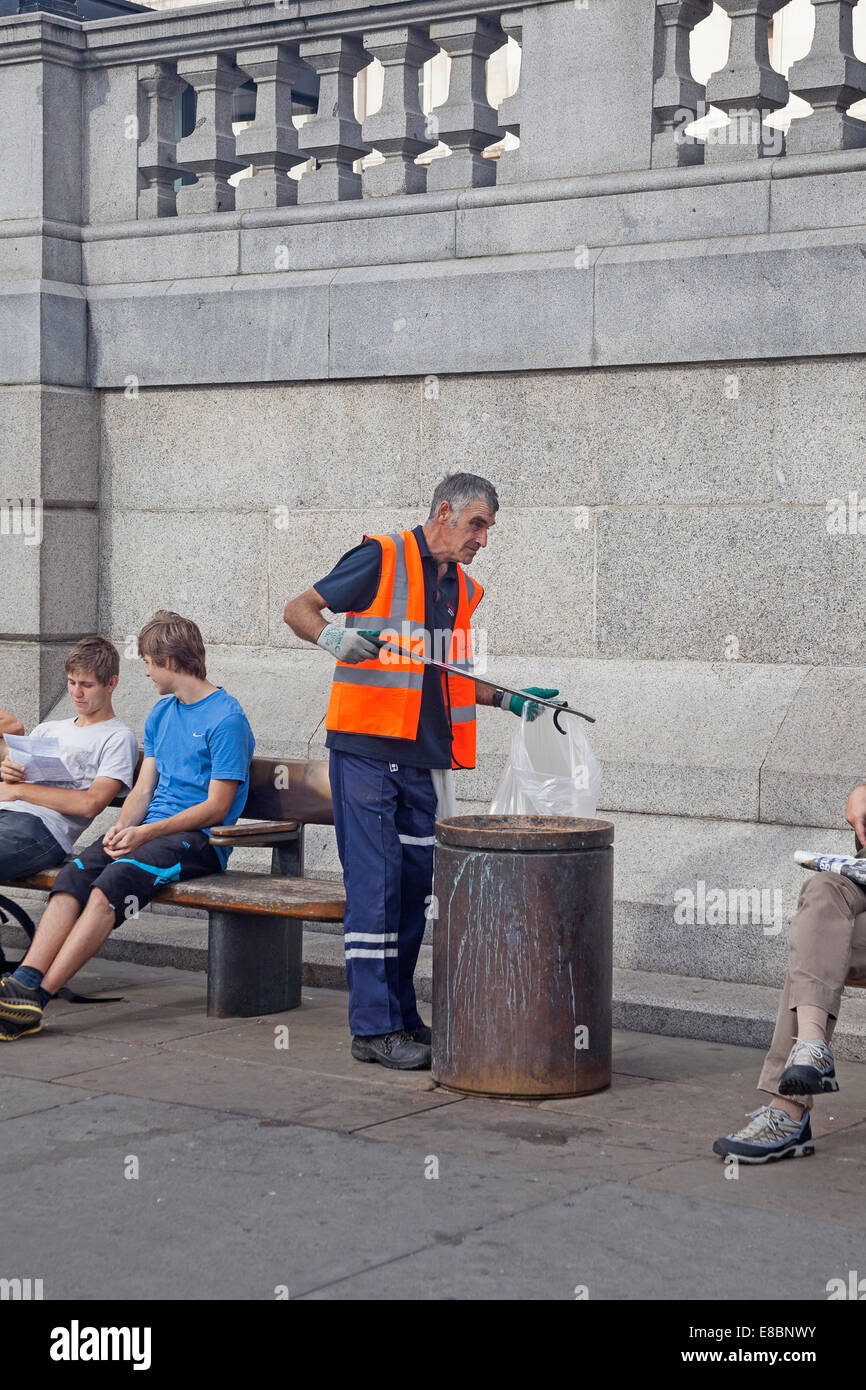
[516,702]
[855,812]
[121,840]
[346,644]
[12,772]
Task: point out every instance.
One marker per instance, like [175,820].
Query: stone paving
[262,1168]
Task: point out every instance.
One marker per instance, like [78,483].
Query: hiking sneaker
[397,1050]
[11,1029]
[421,1034]
[18,1002]
[809,1070]
[771,1134]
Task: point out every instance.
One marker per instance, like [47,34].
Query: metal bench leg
[253,965]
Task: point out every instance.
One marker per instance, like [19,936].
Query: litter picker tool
[561,707]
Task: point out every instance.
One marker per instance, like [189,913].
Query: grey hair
[459,489]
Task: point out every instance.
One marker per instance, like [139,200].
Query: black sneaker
[396,1050]
[421,1034]
[17,1002]
[12,1029]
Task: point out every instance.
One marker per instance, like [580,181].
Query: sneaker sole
[798,1151]
[21,1033]
[806,1081]
[367,1056]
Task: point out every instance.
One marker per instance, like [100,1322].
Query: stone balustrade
[747,90]
[334,139]
[602,89]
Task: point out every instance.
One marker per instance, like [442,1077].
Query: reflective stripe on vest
[382,697]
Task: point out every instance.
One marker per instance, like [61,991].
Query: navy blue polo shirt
[351,587]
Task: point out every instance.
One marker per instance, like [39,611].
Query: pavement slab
[272,1090]
[618,1242]
[20,1096]
[236,1208]
[151,1152]
[533,1137]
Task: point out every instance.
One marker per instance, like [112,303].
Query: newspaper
[846,864]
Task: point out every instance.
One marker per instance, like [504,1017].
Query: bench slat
[259,832]
[258,894]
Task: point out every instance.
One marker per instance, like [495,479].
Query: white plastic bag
[548,773]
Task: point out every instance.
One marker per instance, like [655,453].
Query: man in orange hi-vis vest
[396,728]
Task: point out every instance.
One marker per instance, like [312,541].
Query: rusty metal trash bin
[523,955]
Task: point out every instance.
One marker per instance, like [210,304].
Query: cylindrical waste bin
[523,955]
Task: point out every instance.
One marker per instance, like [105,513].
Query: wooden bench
[254,919]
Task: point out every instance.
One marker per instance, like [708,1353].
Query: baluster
[831,78]
[467,121]
[508,114]
[333,139]
[675,91]
[398,129]
[209,151]
[158,85]
[271,142]
[747,89]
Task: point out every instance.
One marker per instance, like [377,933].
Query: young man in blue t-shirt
[195,774]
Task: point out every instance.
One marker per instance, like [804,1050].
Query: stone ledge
[693,301]
[649,1002]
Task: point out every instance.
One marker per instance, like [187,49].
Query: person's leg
[115,890]
[822,943]
[820,951]
[415,822]
[90,930]
[365,801]
[69,897]
[26,845]
[122,889]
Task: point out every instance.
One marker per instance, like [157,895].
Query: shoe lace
[766,1120]
[813,1050]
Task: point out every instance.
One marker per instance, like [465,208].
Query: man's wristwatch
[498,697]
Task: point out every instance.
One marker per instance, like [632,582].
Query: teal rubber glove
[516,702]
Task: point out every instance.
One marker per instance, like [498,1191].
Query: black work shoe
[18,1003]
[421,1034]
[396,1050]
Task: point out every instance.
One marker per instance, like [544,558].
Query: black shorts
[130,883]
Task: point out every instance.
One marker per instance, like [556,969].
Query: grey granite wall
[663,552]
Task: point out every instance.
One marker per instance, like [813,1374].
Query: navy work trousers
[384,816]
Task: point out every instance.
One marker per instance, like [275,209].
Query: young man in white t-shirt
[39,824]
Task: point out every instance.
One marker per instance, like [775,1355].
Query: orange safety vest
[382,696]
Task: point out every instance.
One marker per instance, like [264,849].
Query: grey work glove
[346,644]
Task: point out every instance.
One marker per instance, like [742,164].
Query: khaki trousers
[827,945]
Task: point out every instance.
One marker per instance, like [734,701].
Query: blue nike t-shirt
[193,744]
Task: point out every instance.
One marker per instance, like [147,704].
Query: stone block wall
[662,553]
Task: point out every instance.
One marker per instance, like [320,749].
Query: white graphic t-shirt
[106,749]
